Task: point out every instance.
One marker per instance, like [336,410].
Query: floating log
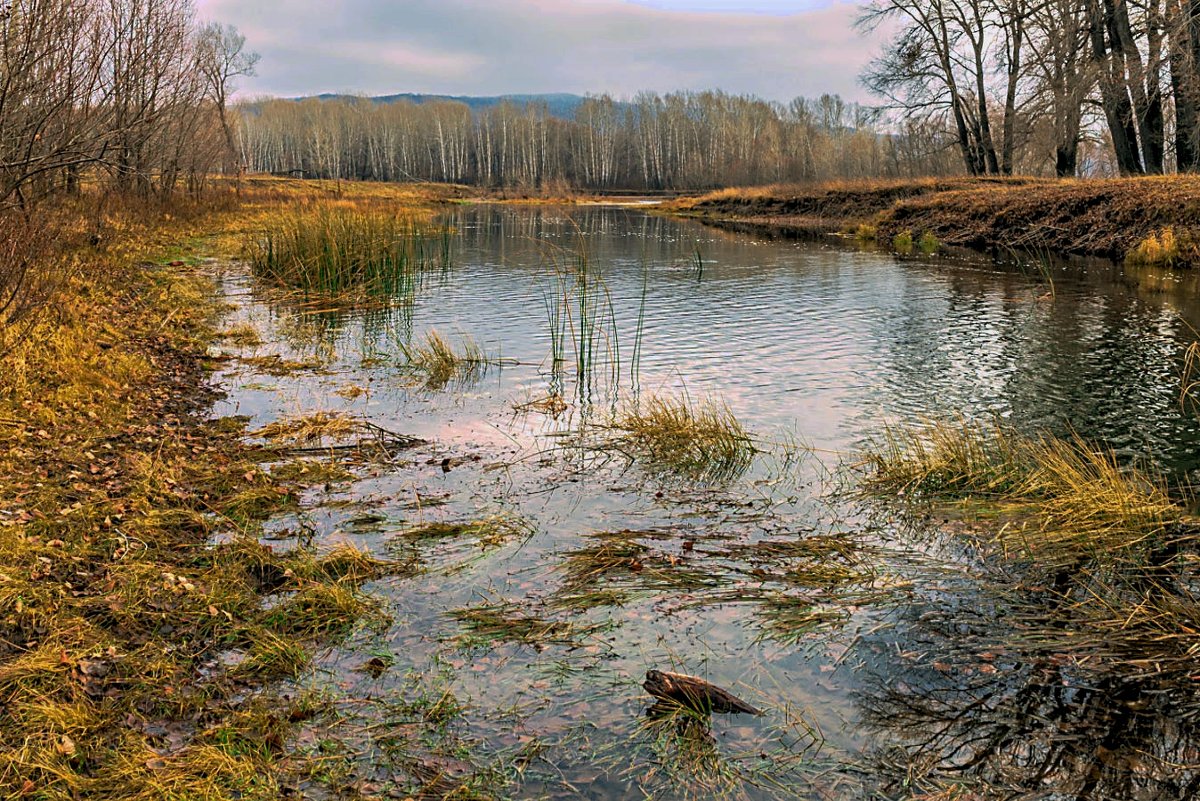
[694,693]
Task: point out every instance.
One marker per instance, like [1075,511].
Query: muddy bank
[1103,218]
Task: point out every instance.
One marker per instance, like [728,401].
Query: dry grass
[1110,218]
[438,363]
[310,429]
[114,603]
[1061,504]
[831,205]
[1090,557]
[699,440]
[1163,248]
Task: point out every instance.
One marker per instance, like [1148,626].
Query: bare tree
[222,58]
[928,70]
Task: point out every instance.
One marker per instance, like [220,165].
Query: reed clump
[1065,501]
[439,363]
[700,440]
[330,248]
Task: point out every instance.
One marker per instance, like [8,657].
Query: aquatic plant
[507,622]
[903,242]
[928,244]
[455,544]
[675,434]
[439,363]
[329,248]
[580,311]
[615,567]
[866,232]
[1069,501]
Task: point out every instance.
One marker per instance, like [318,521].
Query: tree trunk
[1184,40]
[1114,93]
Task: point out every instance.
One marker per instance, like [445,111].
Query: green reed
[334,249]
[582,319]
[580,311]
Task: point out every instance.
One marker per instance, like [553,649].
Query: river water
[815,349]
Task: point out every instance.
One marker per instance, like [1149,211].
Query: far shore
[1152,220]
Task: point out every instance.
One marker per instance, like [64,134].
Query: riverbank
[143,625]
[1153,220]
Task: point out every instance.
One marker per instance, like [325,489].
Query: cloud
[488,47]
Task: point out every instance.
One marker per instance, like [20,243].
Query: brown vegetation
[133,612]
[1108,218]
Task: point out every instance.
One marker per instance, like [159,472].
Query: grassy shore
[1152,220]
[141,620]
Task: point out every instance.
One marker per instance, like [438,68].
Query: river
[770,581]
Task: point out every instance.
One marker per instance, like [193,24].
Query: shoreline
[1151,221]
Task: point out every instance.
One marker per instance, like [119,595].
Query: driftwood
[694,693]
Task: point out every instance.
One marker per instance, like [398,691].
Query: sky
[776,49]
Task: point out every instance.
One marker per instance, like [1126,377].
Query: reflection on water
[980,695]
[764,584]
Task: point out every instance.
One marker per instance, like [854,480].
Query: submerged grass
[439,364]
[450,546]
[505,621]
[698,440]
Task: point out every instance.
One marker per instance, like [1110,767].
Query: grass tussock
[699,440]
[1064,502]
[1093,560]
[1162,248]
[439,363]
[334,248]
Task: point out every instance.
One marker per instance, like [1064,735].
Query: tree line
[132,92]
[1019,83]
[683,140]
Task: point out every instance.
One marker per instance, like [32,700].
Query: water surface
[815,349]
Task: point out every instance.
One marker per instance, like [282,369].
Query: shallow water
[810,346]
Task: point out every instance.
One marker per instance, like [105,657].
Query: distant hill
[560,105]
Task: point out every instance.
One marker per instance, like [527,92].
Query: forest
[131,93]
[986,87]
[683,140]
[1008,76]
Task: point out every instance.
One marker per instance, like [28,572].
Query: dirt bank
[1106,218]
